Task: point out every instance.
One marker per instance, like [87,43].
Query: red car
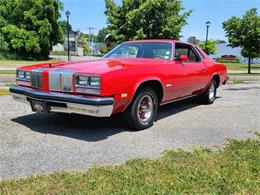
[133,79]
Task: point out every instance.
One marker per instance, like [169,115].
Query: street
[33,143]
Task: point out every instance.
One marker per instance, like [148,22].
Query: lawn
[234,169]
[18,63]
[244,74]
[240,66]
[7,71]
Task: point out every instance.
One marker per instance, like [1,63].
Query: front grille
[36,78]
[61,80]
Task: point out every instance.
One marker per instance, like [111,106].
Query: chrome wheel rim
[145,109]
[211,91]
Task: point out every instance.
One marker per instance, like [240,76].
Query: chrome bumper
[60,102]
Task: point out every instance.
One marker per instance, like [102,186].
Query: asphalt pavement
[43,143]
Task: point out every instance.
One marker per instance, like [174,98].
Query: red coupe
[133,79]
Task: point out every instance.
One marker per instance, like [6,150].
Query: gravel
[42,143]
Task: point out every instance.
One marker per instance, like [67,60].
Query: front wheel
[143,110]
[209,95]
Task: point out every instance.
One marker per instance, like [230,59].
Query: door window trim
[192,48]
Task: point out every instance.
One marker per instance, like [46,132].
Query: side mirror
[183,58]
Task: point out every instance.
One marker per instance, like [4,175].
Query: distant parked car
[133,79]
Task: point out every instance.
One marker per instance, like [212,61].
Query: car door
[195,70]
[187,78]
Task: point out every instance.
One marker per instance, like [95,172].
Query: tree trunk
[249,63]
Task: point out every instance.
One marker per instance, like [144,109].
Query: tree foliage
[30,27]
[85,44]
[145,19]
[63,24]
[102,33]
[193,40]
[245,33]
[211,46]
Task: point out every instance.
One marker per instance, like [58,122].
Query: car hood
[99,66]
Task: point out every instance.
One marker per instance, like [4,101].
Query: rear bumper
[60,102]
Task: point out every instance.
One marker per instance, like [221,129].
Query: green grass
[240,66]
[7,72]
[232,170]
[18,63]
[10,84]
[243,74]
[238,82]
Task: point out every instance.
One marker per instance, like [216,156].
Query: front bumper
[60,102]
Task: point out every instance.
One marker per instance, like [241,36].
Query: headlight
[81,80]
[94,81]
[27,75]
[23,75]
[87,81]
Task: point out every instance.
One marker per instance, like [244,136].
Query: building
[223,50]
[74,41]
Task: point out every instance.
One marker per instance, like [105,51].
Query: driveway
[41,143]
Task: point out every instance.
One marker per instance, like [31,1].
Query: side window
[192,56]
[183,49]
[180,51]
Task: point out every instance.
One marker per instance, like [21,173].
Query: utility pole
[90,40]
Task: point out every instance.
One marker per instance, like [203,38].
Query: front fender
[139,83]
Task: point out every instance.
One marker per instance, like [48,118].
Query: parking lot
[41,143]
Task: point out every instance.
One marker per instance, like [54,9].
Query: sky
[90,13]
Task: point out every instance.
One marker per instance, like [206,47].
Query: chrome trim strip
[88,91]
[25,83]
[179,99]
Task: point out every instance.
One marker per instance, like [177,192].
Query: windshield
[154,50]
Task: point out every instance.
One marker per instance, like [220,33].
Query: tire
[209,95]
[137,115]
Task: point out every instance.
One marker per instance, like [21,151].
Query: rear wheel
[209,95]
[143,110]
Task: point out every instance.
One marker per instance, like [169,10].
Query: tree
[85,44]
[30,27]
[193,40]
[218,41]
[145,19]
[245,33]
[211,46]
[102,33]
[63,24]
[245,54]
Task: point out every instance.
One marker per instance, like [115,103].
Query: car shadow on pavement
[90,128]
